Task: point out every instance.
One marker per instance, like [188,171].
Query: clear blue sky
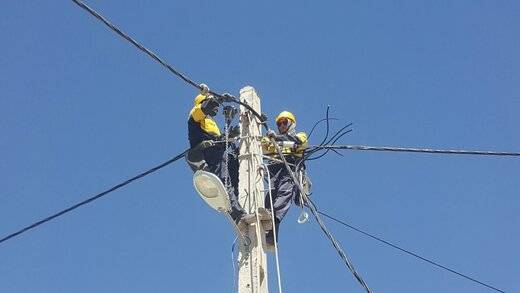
[81,110]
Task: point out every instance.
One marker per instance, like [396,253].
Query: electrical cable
[314,149]
[331,146]
[263,120]
[314,209]
[335,243]
[328,126]
[317,123]
[93,198]
[408,252]
[309,152]
[161,61]
[135,43]
[416,150]
[343,133]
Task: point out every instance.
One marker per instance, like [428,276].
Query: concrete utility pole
[252,274]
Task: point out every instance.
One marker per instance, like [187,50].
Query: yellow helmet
[286,115]
[199,99]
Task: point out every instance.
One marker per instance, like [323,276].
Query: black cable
[408,252]
[328,149]
[309,152]
[314,149]
[314,211]
[305,154]
[135,43]
[417,150]
[90,199]
[262,119]
[159,60]
[316,124]
[328,126]
[339,134]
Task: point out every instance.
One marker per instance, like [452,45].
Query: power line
[91,199]
[136,43]
[170,68]
[314,211]
[409,252]
[262,118]
[416,150]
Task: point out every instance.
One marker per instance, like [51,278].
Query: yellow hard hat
[286,115]
[199,99]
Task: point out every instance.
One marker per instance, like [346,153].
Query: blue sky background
[81,110]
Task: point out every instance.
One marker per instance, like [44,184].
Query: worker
[284,189]
[207,148]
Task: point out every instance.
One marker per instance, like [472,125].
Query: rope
[313,209]
[93,198]
[264,167]
[416,150]
[227,182]
[235,275]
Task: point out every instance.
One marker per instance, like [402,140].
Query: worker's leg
[195,159]
[236,209]
[212,160]
[283,195]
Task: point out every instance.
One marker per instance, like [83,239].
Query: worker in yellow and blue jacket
[284,189]
[207,147]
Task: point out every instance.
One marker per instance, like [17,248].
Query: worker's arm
[303,142]
[197,114]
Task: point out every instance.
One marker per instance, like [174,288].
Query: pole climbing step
[265,219]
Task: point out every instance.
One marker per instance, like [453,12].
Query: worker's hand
[271,134]
[204,89]
[226,97]
[234,131]
[206,144]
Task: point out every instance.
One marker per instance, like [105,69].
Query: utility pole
[252,274]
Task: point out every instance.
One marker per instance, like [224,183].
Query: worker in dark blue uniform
[207,147]
[284,189]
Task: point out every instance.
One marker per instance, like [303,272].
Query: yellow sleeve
[267,145]
[197,114]
[302,136]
